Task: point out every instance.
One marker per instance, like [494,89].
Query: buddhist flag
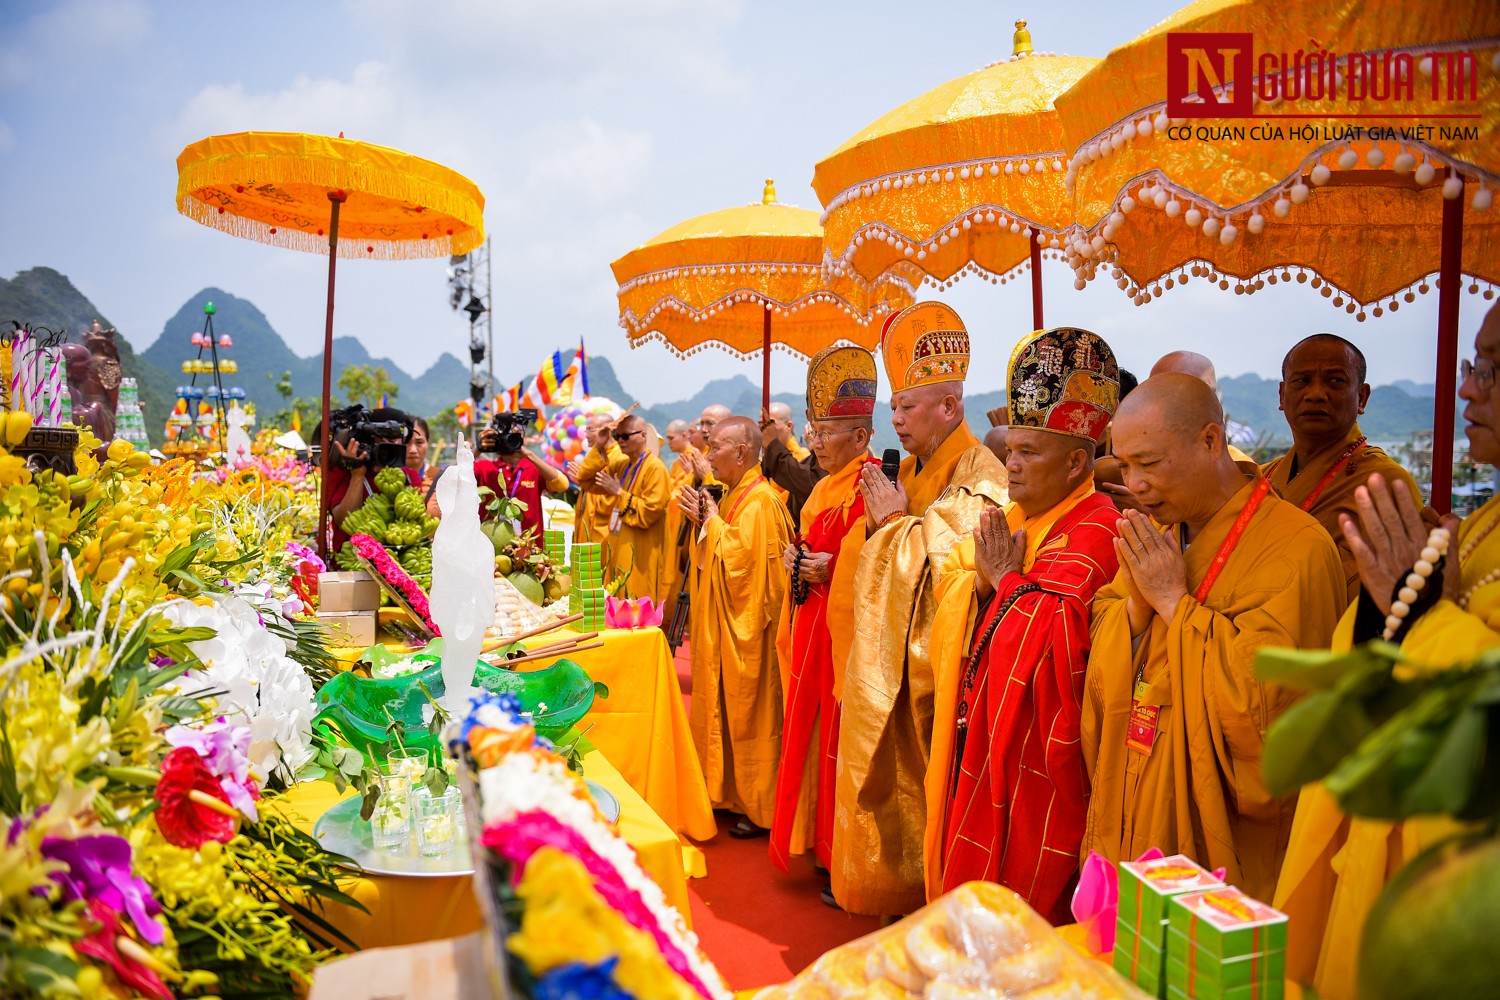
[465,411]
[509,401]
[297,420]
[549,380]
[578,372]
[385,400]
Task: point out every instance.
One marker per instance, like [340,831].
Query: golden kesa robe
[1012,808]
[1300,485]
[736,708]
[1337,865]
[591,516]
[812,643]
[640,547]
[1199,791]
[885,729]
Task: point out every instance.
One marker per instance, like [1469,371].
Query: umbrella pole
[765,354]
[336,199]
[1449,287]
[1036,286]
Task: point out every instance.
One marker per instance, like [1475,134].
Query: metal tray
[341,831]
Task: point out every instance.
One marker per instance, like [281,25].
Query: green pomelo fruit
[1432,931]
[529,586]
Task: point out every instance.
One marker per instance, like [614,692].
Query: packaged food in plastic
[979,942]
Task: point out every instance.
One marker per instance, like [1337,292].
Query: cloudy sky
[590,125]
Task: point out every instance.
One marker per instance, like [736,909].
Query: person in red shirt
[521,475]
[350,466]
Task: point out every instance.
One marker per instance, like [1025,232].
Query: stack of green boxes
[587,593]
[553,544]
[1146,887]
[1223,945]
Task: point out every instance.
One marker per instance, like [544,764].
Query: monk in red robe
[817,619]
[1007,789]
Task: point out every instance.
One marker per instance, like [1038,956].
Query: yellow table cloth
[642,727]
[408,910]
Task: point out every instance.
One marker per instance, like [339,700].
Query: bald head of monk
[733,448]
[1169,440]
[677,436]
[995,442]
[1187,363]
[707,421]
[924,415]
[630,435]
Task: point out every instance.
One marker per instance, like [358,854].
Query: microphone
[890,464]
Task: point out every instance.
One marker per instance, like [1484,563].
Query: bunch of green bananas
[391,480]
[364,521]
[410,505]
[346,558]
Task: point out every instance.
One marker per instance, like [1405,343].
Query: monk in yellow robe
[817,620]
[736,708]
[1174,719]
[633,488]
[885,729]
[1323,392]
[1007,789]
[591,516]
[1337,865]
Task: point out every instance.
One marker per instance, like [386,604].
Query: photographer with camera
[362,443]
[510,469]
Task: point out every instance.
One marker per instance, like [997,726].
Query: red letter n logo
[1199,64]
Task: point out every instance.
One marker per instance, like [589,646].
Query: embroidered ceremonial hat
[923,344]
[1065,381]
[841,383]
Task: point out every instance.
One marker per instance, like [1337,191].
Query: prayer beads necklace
[1436,548]
[1470,546]
[800,586]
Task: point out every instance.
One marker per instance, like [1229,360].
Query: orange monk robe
[1199,791]
[1297,485]
[591,516]
[812,642]
[736,707]
[1023,708]
[1337,865]
[640,547]
[885,727]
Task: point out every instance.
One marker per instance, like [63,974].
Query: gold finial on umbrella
[1021,41]
[768,196]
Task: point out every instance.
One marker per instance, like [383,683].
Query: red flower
[193,804]
[116,949]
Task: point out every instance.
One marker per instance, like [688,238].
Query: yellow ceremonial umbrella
[1254,142]
[743,278]
[966,177]
[304,191]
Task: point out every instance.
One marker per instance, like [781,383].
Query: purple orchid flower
[99,869]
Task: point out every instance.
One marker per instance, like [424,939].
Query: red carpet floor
[759,926]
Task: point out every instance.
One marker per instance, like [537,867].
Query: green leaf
[1365,783]
[367,807]
[45,971]
[1319,669]
[601,690]
[1310,739]
[435,779]
[1451,767]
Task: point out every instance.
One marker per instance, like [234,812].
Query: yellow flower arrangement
[566,920]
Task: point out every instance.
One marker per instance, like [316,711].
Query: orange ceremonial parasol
[1305,141]
[966,178]
[743,278]
[305,191]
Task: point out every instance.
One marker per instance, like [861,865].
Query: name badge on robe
[1140,731]
[616,521]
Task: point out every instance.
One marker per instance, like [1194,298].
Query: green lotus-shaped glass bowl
[556,696]
[361,709]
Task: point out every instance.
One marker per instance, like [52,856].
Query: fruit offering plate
[341,831]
